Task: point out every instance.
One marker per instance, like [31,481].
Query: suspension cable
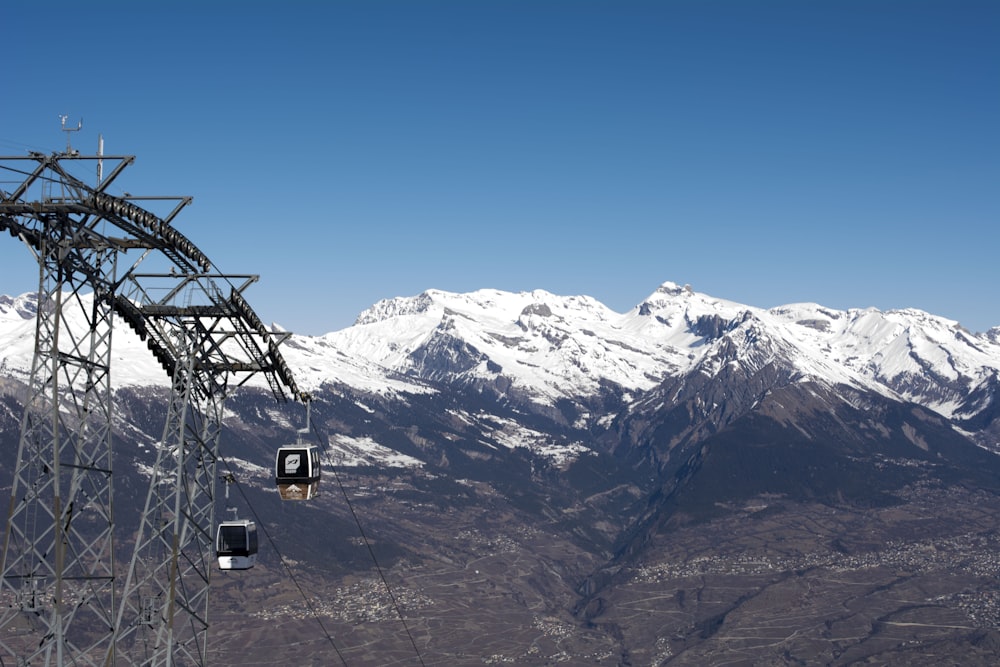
[324,445]
[284,564]
[371,552]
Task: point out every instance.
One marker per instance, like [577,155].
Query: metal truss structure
[105,260]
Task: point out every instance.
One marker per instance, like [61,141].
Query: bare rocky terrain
[768,582]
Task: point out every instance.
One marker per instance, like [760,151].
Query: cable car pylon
[104,261]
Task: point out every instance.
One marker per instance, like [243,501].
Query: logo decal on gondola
[297,471]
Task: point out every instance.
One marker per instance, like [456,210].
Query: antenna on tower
[100,158]
[67,130]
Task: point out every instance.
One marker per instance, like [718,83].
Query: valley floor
[769,583]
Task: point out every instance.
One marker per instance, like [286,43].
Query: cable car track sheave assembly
[63,599]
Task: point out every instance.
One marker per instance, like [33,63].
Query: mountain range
[539,479]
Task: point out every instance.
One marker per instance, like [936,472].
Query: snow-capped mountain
[541,349]
[568,447]
[538,350]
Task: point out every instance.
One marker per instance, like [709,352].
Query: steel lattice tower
[63,598]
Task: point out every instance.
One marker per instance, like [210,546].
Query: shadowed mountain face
[671,537]
[726,502]
[702,522]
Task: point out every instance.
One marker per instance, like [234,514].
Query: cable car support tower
[104,261]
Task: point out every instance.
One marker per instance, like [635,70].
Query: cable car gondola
[297,471]
[236,544]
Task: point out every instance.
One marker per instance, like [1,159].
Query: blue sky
[767,152]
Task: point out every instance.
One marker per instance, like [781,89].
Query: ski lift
[236,539]
[297,468]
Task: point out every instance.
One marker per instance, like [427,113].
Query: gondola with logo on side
[297,468]
[297,471]
[235,539]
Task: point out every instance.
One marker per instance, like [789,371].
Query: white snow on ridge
[897,346]
[553,347]
[346,451]
[513,436]
[316,361]
[549,344]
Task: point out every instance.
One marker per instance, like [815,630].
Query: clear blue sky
[845,152]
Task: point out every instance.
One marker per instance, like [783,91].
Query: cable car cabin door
[297,472]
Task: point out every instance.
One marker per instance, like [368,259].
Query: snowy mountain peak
[671,288]
[687,313]
[19,308]
[489,305]
[396,307]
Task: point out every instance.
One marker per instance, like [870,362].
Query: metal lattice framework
[63,599]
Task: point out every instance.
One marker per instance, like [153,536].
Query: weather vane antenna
[68,130]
